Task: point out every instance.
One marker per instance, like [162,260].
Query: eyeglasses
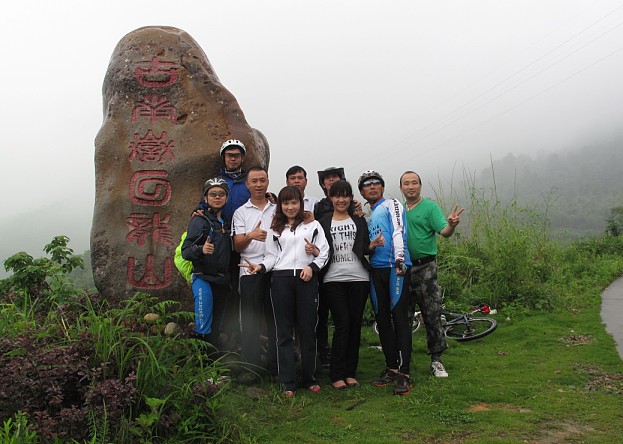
[233,155]
[217,194]
[367,183]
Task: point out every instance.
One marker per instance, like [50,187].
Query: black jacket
[210,267]
[361,247]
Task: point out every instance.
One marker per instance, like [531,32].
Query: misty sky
[389,85]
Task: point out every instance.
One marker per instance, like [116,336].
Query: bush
[69,360]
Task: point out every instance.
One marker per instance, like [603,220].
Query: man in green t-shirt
[424,221]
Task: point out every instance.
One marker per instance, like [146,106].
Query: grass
[549,373]
[544,377]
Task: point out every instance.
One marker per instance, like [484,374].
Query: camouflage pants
[425,292]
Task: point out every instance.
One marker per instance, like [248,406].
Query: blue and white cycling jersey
[388,216]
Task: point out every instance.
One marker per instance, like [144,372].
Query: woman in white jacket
[295,253]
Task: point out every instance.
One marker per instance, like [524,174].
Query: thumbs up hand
[208,248]
[258,234]
[378,241]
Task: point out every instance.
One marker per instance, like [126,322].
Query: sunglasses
[367,183]
[217,194]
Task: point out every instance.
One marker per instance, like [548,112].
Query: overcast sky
[389,85]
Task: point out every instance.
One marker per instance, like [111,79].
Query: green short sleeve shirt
[424,222]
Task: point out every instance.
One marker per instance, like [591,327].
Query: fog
[384,85]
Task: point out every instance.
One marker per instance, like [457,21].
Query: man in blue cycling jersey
[389,290]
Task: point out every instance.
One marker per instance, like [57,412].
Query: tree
[614,225]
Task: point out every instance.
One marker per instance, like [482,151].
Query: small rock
[151,317]
[172,329]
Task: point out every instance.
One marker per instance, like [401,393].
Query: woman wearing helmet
[208,246]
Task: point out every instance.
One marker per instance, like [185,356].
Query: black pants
[322,329]
[295,304]
[347,301]
[389,294]
[231,318]
[256,316]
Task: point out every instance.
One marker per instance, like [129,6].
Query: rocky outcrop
[165,116]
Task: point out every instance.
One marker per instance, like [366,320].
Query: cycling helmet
[330,170]
[369,175]
[233,143]
[215,182]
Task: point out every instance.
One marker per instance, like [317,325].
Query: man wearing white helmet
[233,152]
[389,290]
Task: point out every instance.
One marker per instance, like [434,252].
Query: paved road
[612,312]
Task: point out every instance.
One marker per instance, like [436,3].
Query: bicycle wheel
[468,329]
[375,327]
[417,321]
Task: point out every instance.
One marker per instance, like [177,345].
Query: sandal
[339,387]
[289,394]
[352,383]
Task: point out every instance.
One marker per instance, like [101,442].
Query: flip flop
[339,387]
[352,384]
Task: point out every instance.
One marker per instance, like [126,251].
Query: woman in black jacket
[208,246]
[345,282]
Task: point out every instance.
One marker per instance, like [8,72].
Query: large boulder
[166,115]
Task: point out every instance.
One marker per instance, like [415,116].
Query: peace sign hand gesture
[454,218]
[311,248]
[251,268]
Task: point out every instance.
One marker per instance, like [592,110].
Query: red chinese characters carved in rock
[144,225]
[149,280]
[150,187]
[154,107]
[158,74]
[150,148]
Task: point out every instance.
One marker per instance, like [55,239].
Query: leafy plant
[15,430]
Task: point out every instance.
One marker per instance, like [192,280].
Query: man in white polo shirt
[296,176]
[249,228]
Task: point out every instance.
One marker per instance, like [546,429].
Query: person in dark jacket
[208,246]
[345,282]
[233,152]
[326,178]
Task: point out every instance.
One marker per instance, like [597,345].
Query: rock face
[166,115]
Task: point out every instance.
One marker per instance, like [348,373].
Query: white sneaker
[437,369]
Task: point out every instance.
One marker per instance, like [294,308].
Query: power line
[444,117]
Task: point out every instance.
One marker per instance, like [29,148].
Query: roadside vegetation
[75,369]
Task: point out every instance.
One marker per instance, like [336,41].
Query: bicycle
[460,326]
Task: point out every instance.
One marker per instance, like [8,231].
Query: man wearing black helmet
[389,290]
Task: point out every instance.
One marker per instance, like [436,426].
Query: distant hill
[576,187]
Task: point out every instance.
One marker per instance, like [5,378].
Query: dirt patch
[483,407]
[577,340]
[600,380]
[560,432]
